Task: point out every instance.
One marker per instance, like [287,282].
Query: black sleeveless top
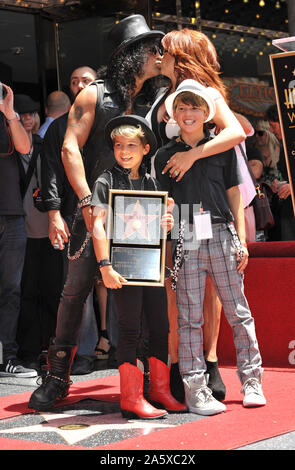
[159,128]
[97,155]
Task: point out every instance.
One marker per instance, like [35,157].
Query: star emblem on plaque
[136,220]
[137,243]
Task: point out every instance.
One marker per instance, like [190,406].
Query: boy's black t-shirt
[206,181]
[100,194]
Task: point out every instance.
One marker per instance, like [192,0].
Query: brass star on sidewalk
[75,428]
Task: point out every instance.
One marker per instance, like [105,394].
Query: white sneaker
[200,400]
[253,393]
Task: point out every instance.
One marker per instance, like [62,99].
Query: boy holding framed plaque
[133,141]
[211,212]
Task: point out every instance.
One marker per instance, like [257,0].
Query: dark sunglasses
[157,49]
[259,133]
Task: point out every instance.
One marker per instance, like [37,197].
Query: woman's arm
[246,124]
[256,167]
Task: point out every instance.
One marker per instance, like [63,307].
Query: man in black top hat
[135,58]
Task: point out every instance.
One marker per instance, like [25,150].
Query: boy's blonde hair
[131,132]
[187,97]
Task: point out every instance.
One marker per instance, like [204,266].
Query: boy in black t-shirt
[210,205]
[132,141]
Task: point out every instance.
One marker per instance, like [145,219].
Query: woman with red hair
[189,54]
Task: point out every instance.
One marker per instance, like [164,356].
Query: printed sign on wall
[283,72]
[249,96]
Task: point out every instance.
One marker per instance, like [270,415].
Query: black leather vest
[97,155]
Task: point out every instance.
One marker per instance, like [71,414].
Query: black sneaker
[14,368]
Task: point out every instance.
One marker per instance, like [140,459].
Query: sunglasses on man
[157,49]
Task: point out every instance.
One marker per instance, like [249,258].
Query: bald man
[59,197]
[57,104]
[81,78]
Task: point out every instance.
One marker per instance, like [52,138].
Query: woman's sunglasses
[259,133]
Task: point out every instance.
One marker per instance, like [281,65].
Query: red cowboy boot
[159,391]
[132,402]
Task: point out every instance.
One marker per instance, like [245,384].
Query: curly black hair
[129,63]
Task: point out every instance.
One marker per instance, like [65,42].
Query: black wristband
[85,201]
[104,262]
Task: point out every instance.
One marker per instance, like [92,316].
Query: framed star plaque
[136,240]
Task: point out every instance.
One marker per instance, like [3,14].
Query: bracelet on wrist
[85,201]
[104,262]
[15,118]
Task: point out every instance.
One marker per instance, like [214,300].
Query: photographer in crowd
[13,139]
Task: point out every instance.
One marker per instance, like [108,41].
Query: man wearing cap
[135,58]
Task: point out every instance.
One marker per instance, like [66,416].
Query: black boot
[215,382]
[176,383]
[56,384]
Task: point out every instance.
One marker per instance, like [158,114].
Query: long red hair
[195,58]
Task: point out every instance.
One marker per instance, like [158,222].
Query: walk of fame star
[137,222]
[75,428]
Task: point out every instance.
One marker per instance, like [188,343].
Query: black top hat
[25,104]
[132,120]
[129,30]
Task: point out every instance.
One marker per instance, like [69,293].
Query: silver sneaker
[200,400]
[253,394]
[13,368]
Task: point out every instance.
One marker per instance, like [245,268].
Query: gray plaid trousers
[217,257]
